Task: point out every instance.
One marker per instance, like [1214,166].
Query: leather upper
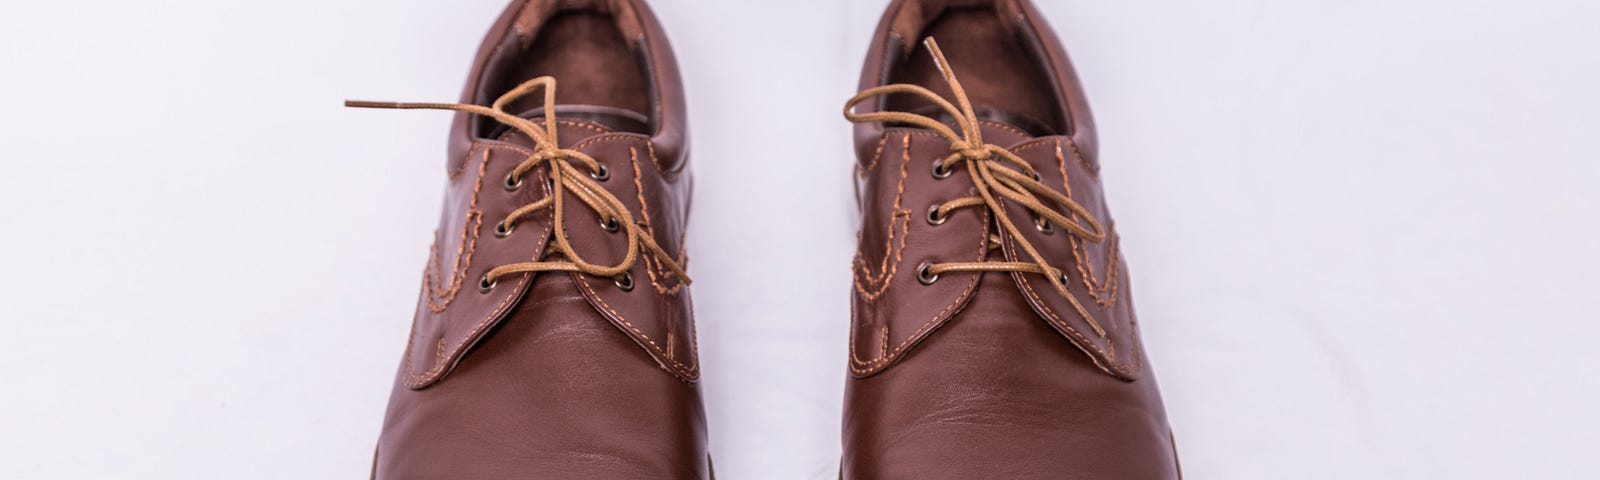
[1067,160]
[989,374]
[893,311]
[555,374]
[453,315]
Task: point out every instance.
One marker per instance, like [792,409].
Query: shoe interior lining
[995,65]
[590,59]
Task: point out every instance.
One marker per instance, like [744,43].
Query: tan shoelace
[565,179]
[985,163]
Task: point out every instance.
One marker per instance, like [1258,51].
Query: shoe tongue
[1004,134]
[998,127]
[579,122]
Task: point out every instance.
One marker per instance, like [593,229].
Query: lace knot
[975,152]
[566,180]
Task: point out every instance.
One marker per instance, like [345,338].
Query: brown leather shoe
[553,337]
[993,333]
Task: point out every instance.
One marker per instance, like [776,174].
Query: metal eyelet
[610,224]
[934,218]
[600,173]
[485,284]
[940,172]
[512,182]
[924,275]
[1035,175]
[501,230]
[1044,226]
[624,282]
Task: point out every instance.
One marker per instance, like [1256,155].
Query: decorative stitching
[1103,294]
[1109,353]
[559,123]
[862,170]
[653,267]
[1056,140]
[600,138]
[419,380]
[900,215]
[1092,167]
[1029,145]
[888,356]
[1110,349]
[580,124]
[650,146]
[664,359]
[1003,126]
[1083,343]
[440,298]
[688,371]
[884,341]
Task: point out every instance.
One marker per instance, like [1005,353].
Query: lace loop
[565,179]
[987,164]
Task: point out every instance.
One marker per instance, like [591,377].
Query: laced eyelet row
[996,186]
[610,224]
[600,174]
[934,217]
[940,172]
[562,177]
[925,273]
[623,282]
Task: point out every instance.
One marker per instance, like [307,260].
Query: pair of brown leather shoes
[993,332]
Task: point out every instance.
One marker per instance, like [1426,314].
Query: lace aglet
[370,104]
[937,53]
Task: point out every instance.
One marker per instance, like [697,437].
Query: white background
[1363,233]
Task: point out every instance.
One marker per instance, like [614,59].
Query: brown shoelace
[985,163]
[565,178]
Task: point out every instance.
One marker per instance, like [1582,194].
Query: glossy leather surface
[990,374]
[555,374]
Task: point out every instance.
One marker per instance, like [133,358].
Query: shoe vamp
[998,394]
[555,389]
